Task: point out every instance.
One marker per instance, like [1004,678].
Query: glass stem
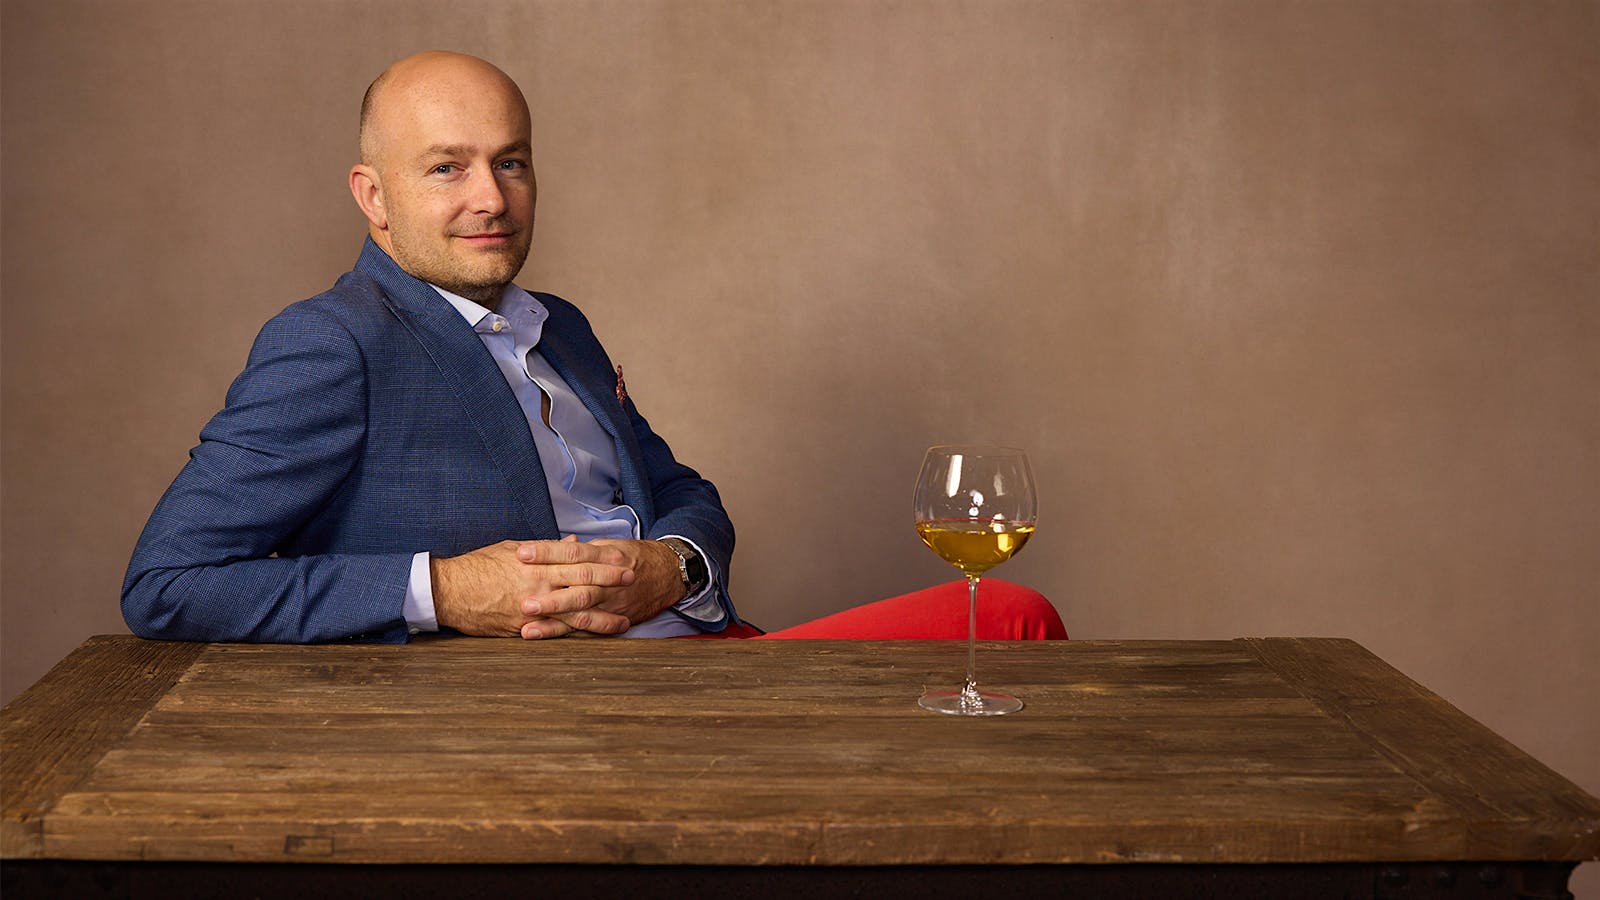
[969,694]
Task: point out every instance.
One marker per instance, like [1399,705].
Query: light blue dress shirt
[579,458]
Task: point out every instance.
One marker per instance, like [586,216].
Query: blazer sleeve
[687,505]
[206,566]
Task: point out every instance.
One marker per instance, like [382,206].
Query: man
[428,446]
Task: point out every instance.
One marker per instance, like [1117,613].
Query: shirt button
[499,326]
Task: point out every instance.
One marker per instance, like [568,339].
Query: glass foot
[960,703]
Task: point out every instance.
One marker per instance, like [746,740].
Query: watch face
[690,565]
[697,570]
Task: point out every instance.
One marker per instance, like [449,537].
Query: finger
[544,629]
[585,621]
[563,601]
[597,621]
[570,539]
[569,551]
[581,575]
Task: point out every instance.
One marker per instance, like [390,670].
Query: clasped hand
[545,589]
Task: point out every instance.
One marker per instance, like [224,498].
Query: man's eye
[443,169]
[511,165]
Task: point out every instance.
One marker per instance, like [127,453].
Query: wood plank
[52,734]
[608,746]
[738,753]
[504,833]
[1473,771]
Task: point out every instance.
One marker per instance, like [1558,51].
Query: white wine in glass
[975,507]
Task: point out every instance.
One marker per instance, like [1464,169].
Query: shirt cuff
[418,604]
[702,605]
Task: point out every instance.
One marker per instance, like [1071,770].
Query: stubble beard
[478,275]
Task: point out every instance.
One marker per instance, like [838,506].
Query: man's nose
[487,194]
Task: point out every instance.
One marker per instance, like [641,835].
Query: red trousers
[1006,612]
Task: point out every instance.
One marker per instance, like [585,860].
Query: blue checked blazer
[369,424]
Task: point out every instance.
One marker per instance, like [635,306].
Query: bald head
[446,172]
[432,72]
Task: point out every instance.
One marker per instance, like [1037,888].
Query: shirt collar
[517,310]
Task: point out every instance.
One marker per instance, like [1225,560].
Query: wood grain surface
[769,752]
[54,733]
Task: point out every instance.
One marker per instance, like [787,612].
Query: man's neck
[488,298]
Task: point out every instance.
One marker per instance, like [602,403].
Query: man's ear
[368,191]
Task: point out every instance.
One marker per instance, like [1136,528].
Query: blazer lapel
[466,366]
[595,385]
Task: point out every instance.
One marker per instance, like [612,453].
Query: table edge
[50,739]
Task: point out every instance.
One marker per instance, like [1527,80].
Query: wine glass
[975,508]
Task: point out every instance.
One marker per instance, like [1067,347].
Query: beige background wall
[1294,303]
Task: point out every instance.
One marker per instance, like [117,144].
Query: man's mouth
[487,238]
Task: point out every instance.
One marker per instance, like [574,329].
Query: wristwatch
[691,566]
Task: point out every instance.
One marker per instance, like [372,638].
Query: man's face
[454,174]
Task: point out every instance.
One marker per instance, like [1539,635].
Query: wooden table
[1254,767]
